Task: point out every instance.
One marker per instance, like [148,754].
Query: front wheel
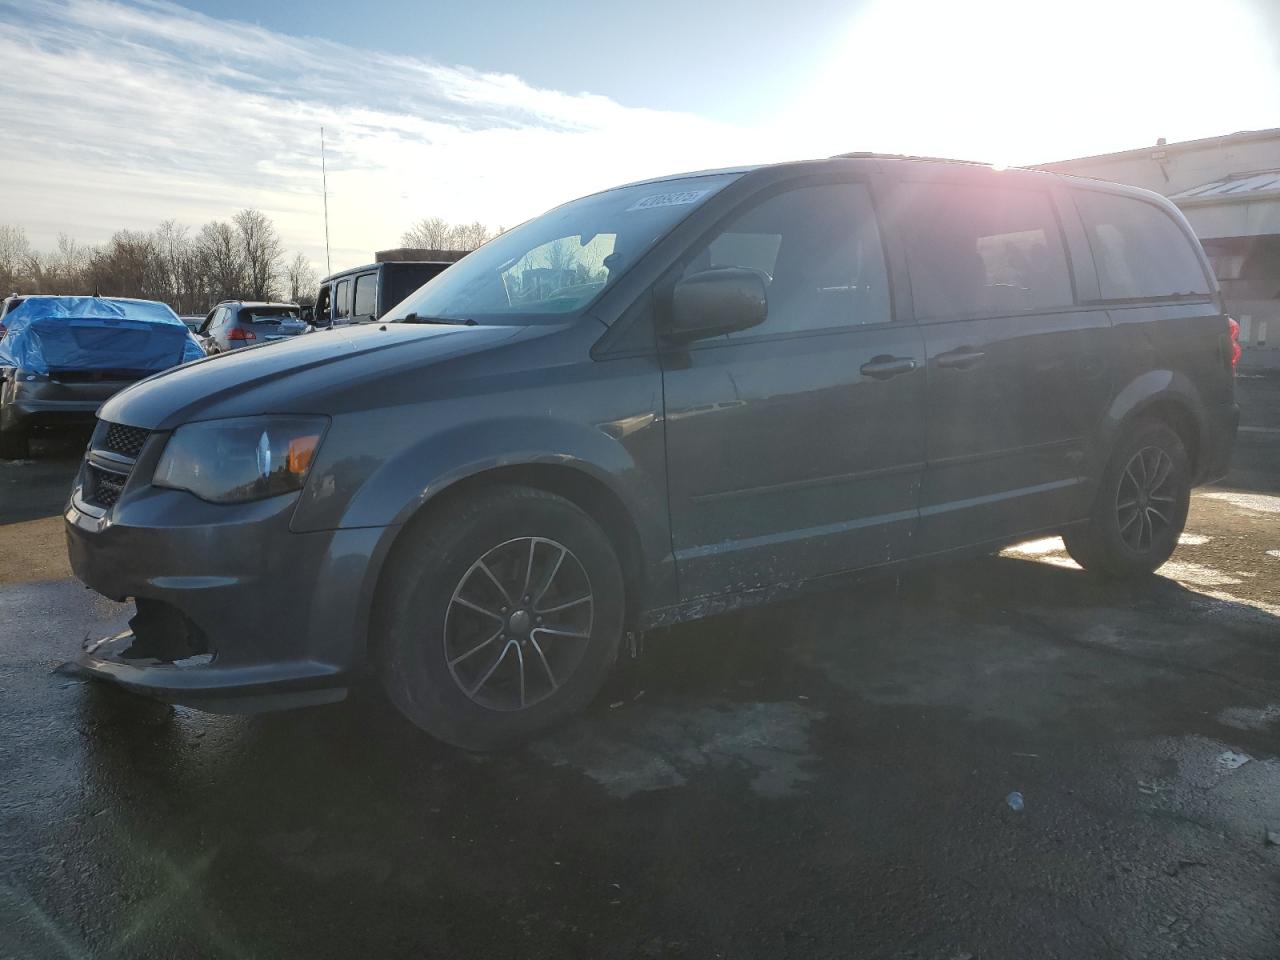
[1141,505]
[501,617]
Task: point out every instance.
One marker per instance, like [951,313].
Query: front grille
[124,440]
[102,487]
[112,453]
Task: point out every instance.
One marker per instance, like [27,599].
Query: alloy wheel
[518,623]
[1146,500]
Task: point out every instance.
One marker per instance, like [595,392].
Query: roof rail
[873,155]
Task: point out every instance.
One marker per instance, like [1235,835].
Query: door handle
[882,368]
[961,358]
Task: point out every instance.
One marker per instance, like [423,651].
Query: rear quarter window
[365,303]
[1139,250]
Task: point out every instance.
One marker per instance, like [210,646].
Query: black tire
[13,445]
[1149,469]
[427,603]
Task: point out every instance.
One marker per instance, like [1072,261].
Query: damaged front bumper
[189,681]
[236,613]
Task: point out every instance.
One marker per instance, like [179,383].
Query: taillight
[1235,341]
[240,333]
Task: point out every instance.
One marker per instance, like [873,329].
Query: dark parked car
[651,404]
[242,323]
[366,293]
[60,357]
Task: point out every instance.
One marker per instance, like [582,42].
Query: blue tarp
[48,334]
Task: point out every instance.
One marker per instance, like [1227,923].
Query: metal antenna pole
[324,181]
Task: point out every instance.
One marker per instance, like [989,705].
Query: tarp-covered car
[61,357]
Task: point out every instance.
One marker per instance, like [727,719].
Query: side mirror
[715,302]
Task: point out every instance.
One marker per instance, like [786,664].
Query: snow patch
[1258,502]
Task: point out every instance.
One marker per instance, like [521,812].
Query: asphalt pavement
[993,759]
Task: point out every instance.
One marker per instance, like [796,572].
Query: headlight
[248,458]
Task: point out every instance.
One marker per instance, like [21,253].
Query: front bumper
[280,616]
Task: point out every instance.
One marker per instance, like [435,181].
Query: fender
[1142,393]
[404,485]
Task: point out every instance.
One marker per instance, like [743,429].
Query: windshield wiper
[449,321]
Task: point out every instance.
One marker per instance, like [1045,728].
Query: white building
[1229,189]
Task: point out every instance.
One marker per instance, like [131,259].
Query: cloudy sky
[120,114]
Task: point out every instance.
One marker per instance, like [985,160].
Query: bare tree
[125,265]
[68,268]
[221,260]
[429,233]
[261,251]
[175,253]
[302,279]
[469,236]
[14,250]
[243,258]
[436,233]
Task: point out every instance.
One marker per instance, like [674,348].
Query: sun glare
[1019,81]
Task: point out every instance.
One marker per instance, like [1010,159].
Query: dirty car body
[742,379]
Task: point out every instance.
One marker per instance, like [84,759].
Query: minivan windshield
[559,262]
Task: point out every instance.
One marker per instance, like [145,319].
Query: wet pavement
[823,778]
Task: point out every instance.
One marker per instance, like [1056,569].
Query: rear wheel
[501,617]
[1141,506]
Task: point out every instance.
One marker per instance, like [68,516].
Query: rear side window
[982,251]
[341,301]
[818,249]
[1139,250]
[366,297]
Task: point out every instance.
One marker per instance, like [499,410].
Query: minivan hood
[290,376]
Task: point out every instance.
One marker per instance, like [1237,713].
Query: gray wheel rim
[518,623]
[1146,499]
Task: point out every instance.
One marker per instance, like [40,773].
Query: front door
[1017,371]
[795,448]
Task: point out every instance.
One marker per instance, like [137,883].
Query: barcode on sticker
[668,199]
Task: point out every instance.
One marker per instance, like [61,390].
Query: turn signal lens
[301,451]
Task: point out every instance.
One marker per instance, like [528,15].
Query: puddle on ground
[1250,718]
[660,748]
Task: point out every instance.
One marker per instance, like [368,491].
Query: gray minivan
[650,404]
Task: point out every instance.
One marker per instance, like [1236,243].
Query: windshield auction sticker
[667,200]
